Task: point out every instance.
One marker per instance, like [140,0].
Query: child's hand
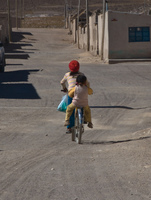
[64,90]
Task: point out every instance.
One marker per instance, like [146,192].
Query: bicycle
[78,128]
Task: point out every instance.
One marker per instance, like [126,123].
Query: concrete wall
[103,43]
[118,29]
[116,36]
[93,33]
[83,38]
[100,21]
[106,39]
[81,35]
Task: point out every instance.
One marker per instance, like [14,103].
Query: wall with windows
[126,36]
[129,35]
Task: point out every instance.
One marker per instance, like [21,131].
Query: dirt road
[38,161]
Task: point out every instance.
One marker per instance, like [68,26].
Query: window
[139,34]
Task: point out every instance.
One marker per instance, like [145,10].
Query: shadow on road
[122,107]
[116,141]
[13,84]
[17,90]
[14,49]
[14,64]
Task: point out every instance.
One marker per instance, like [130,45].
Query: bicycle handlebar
[64,90]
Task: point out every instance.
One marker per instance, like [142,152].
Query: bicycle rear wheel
[78,127]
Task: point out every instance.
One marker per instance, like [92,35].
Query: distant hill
[42,5]
[53,10]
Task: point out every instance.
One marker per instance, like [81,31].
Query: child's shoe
[90,125]
[68,131]
[66,123]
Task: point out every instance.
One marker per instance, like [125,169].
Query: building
[126,36]
[122,36]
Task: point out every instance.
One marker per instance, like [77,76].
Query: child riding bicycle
[80,99]
[70,80]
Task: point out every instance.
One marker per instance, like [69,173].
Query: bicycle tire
[74,132]
[78,127]
[80,134]
[74,129]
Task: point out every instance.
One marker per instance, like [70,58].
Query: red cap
[74,66]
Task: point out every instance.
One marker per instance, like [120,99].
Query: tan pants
[87,112]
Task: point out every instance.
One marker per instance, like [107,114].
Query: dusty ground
[38,160]
[44,22]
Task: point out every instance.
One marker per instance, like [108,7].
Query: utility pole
[103,27]
[69,17]
[23,9]
[65,13]
[9,26]
[78,24]
[16,13]
[70,6]
[21,13]
[87,21]
[144,7]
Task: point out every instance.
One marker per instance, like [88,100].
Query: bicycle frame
[80,113]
